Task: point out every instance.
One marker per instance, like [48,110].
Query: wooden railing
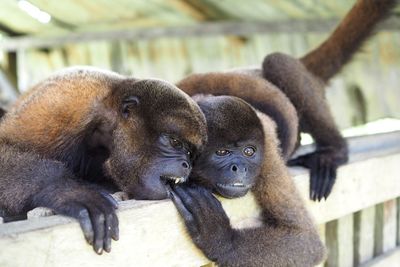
[360,221]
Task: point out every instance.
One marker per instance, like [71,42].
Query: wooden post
[339,242]
[364,235]
[385,227]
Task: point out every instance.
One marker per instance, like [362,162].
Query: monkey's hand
[323,164]
[205,219]
[95,211]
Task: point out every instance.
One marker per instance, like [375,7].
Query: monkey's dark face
[159,131]
[232,168]
[232,159]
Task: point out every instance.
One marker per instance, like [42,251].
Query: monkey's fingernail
[99,251]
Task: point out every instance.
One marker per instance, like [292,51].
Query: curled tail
[327,60]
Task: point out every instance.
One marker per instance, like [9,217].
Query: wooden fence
[360,221]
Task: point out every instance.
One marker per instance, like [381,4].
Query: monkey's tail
[329,58]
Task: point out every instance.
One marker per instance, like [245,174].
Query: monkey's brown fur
[288,236]
[84,124]
[287,226]
[329,58]
[262,94]
[303,90]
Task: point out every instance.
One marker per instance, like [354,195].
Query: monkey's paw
[205,219]
[323,164]
[95,212]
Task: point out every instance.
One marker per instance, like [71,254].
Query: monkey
[243,153]
[288,236]
[84,132]
[302,82]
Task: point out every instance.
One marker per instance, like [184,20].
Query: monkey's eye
[249,151]
[175,143]
[222,152]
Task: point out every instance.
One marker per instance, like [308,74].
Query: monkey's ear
[128,104]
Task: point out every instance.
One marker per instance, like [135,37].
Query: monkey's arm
[288,236]
[28,181]
[277,243]
[307,95]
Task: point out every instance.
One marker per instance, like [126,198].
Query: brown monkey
[243,149]
[287,236]
[303,90]
[86,125]
[303,81]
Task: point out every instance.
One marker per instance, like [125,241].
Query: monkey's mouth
[232,190]
[234,185]
[173,179]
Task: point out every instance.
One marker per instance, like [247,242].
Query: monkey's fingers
[324,177]
[212,201]
[331,182]
[86,225]
[78,211]
[326,180]
[111,218]
[313,184]
[187,216]
[110,199]
[98,223]
[108,232]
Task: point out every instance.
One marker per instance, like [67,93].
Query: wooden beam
[201,29]
[390,259]
[152,231]
[364,221]
[385,227]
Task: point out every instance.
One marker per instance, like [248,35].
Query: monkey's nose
[235,168]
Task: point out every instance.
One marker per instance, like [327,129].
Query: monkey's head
[158,132]
[231,160]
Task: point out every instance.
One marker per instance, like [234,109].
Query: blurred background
[169,39]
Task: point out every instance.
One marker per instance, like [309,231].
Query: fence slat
[385,227]
[390,259]
[339,242]
[364,235]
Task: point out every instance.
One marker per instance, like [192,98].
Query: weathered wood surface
[385,226]
[390,259]
[364,222]
[153,234]
[203,29]
[339,242]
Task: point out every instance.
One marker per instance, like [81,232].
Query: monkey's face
[232,159]
[231,169]
[159,130]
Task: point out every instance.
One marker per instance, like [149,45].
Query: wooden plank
[389,259]
[7,90]
[385,227]
[322,234]
[398,221]
[203,29]
[155,226]
[339,242]
[364,221]
[156,242]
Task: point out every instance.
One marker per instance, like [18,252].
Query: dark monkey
[288,236]
[84,127]
[302,82]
